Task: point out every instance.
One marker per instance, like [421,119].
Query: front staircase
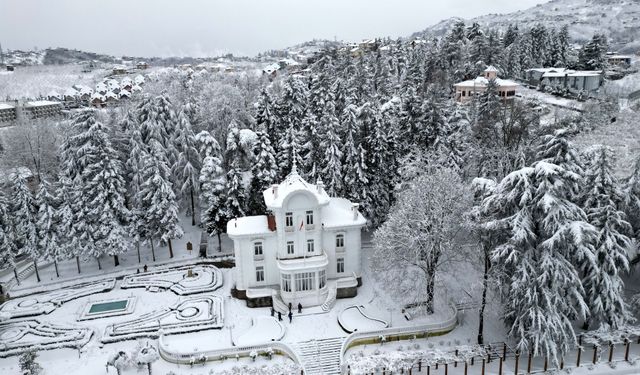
[331,298]
[279,305]
[320,356]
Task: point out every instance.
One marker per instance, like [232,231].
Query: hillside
[618,19]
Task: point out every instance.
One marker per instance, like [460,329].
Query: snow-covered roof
[619,57]
[275,197]
[6,106]
[41,103]
[339,214]
[139,79]
[571,73]
[248,226]
[97,96]
[136,88]
[271,68]
[491,68]
[483,82]
[126,80]
[71,92]
[101,87]
[124,93]
[111,95]
[53,94]
[546,70]
[290,62]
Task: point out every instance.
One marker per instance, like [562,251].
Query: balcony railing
[288,229]
[258,256]
[339,249]
[310,226]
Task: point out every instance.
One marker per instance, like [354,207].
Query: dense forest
[551,224]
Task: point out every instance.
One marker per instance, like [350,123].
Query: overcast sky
[211,27]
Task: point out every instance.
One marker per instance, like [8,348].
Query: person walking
[289,306]
[299,308]
[279,316]
[273,311]
[290,316]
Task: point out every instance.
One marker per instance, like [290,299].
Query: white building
[466,90]
[307,250]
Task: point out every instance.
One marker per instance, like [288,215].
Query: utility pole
[1,55]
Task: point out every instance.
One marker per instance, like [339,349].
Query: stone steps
[320,356]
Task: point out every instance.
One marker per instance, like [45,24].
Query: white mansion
[307,250]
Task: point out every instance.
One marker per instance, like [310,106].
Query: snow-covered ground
[245,325]
[39,80]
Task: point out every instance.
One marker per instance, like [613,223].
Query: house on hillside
[306,250]
[98,100]
[574,81]
[271,70]
[42,108]
[622,61]
[141,65]
[8,112]
[466,90]
[119,69]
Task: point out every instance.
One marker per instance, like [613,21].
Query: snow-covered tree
[632,198]
[8,249]
[212,186]
[603,203]
[354,167]
[332,163]
[25,215]
[96,172]
[28,364]
[46,225]
[207,145]
[263,173]
[159,209]
[419,236]
[546,239]
[144,355]
[187,167]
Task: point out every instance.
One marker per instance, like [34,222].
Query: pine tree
[603,201]
[68,235]
[354,168]
[265,116]
[8,249]
[263,171]
[99,189]
[207,145]
[46,225]
[24,213]
[157,120]
[187,168]
[289,152]
[235,197]
[546,239]
[593,55]
[159,208]
[632,198]
[212,188]
[332,163]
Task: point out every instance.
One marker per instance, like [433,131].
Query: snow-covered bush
[144,355]
[28,364]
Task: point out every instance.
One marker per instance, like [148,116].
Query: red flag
[301,225]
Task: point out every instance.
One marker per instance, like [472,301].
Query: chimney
[354,209]
[274,190]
